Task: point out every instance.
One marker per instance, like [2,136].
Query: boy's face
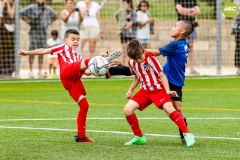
[177,30]
[72,41]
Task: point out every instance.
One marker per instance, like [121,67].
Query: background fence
[213,48]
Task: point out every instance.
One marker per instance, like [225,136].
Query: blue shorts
[192,36]
[144,41]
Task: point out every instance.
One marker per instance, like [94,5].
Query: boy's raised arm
[154,52]
[40,51]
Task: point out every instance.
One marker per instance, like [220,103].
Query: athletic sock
[133,122]
[81,119]
[120,70]
[181,133]
[177,118]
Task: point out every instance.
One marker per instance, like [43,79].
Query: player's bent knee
[128,111]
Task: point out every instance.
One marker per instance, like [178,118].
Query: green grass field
[38,121]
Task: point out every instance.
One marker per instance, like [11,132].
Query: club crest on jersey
[145,66]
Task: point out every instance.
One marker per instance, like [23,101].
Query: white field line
[112,132]
[67,119]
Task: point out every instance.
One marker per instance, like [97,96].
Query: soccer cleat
[112,55]
[86,139]
[136,141]
[190,140]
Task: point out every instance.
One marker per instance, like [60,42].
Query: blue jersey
[177,54]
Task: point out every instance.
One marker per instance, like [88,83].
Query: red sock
[86,61]
[177,118]
[81,119]
[133,122]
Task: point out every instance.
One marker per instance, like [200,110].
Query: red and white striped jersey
[147,72]
[65,54]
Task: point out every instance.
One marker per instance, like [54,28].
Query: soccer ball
[98,66]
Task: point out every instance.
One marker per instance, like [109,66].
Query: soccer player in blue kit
[174,69]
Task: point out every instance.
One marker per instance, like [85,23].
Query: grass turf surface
[38,121]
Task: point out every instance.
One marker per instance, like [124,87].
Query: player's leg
[81,120]
[176,117]
[132,120]
[177,104]
[139,101]
[118,70]
[77,92]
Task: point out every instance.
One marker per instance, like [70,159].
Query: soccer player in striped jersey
[177,54]
[72,67]
[154,88]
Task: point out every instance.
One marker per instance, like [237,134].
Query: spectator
[90,12]
[144,22]
[70,19]
[236,32]
[37,16]
[128,32]
[188,10]
[7,58]
[53,59]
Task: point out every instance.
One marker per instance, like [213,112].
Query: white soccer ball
[98,66]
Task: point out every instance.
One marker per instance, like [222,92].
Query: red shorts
[70,75]
[145,98]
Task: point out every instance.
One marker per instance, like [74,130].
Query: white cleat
[112,55]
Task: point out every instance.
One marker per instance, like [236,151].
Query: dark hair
[143,1]
[54,33]
[129,2]
[135,49]
[189,26]
[71,31]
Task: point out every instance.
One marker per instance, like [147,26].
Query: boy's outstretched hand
[22,52]
[172,93]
